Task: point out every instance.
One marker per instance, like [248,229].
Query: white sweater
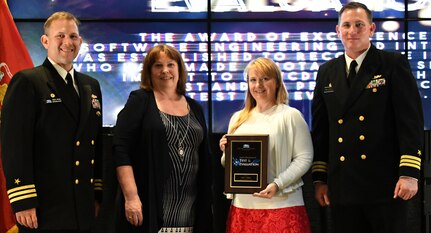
[290,155]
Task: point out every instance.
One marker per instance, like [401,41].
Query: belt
[176,230]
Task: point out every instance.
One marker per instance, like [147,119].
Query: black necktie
[70,84]
[352,72]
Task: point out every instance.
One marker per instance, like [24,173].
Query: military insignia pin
[95,102]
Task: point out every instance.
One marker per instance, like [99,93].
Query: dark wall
[419,206]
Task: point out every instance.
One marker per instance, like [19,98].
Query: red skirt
[284,220]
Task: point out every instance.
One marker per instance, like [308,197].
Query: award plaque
[246,159]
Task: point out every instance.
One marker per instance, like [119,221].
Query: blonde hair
[57,16]
[151,58]
[266,67]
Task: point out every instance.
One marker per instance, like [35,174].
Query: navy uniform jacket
[365,137]
[51,147]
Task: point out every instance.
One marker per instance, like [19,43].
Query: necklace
[180,145]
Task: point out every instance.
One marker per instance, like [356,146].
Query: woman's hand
[269,192]
[133,204]
[134,211]
[222,143]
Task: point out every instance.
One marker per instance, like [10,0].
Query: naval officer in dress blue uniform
[367,130]
[51,126]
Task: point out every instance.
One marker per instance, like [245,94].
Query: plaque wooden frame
[246,163]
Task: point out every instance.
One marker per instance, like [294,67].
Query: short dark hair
[356,5]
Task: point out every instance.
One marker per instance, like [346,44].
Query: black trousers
[370,218]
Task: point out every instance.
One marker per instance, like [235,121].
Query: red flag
[13,58]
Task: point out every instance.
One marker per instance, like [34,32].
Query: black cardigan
[140,141]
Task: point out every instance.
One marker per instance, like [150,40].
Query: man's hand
[27,218]
[321,193]
[406,188]
[97,207]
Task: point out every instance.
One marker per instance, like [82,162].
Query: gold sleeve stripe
[23,197]
[318,170]
[410,165]
[20,193]
[30,186]
[410,161]
[408,157]
[98,184]
[98,180]
[319,166]
[320,163]
[98,188]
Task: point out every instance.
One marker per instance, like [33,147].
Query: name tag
[53,101]
[328,89]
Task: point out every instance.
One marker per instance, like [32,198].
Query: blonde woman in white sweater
[280,206]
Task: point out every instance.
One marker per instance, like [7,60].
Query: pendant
[181,151]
